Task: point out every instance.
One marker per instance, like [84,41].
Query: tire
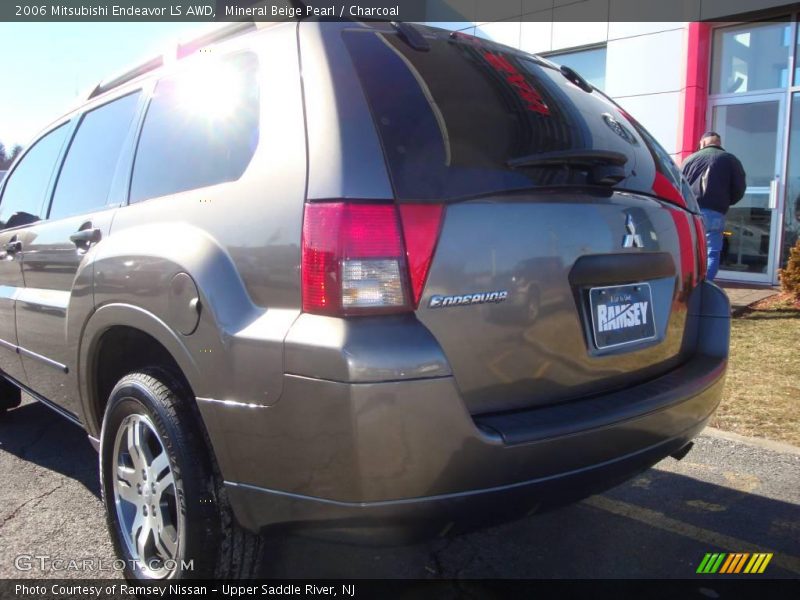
[167,511]
[10,395]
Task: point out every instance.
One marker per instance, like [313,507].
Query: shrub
[790,276]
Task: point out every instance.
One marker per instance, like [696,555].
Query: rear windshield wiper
[589,158]
[604,167]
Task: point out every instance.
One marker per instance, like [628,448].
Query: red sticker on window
[532,98]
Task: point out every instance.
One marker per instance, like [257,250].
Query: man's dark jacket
[716,177]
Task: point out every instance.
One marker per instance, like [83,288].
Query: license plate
[622,314]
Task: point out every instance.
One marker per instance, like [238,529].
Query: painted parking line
[704,536]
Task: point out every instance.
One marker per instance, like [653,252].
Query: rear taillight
[666,190]
[358,259]
[702,249]
[421,223]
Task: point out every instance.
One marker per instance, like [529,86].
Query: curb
[781,447]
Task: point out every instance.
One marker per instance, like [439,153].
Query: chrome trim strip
[29,353]
[48,361]
[232,403]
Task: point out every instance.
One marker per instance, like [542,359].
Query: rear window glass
[201,128]
[450,119]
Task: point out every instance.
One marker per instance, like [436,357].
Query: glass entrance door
[791,213]
[751,128]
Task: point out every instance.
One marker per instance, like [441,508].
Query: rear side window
[201,128]
[23,198]
[88,170]
[452,119]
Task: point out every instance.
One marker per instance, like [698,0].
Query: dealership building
[731,72]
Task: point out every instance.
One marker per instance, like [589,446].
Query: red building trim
[694,93]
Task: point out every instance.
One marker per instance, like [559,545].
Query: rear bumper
[405,459]
[458,479]
[413,519]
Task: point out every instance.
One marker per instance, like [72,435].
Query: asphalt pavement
[730,494]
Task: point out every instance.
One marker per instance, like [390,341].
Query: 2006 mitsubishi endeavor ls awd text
[375,281]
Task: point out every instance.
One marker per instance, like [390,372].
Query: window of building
[23,198]
[796,59]
[751,57]
[201,128]
[92,157]
[791,220]
[590,64]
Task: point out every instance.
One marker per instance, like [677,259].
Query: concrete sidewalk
[742,295]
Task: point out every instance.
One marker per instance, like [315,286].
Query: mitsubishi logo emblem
[631,239]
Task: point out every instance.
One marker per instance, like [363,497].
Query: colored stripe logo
[734,563]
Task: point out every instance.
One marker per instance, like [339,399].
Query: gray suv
[374,282]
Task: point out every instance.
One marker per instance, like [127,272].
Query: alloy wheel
[145,497]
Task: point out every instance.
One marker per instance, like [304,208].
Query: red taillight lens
[421,224]
[702,249]
[664,188]
[356,261]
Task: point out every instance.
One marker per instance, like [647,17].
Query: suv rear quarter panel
[345,156]
[238,241]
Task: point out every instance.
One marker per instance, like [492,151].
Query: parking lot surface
[729,494]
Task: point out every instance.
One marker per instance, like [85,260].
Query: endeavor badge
[466,299]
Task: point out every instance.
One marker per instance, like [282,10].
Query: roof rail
[145,67]
[216,35]
[183,50]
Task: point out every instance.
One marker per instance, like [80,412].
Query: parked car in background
[431,284]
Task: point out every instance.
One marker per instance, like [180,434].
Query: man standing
[718,181]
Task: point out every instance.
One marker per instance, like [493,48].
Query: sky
[47,67]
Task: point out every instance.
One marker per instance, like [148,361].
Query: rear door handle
[86,237]
[13,247]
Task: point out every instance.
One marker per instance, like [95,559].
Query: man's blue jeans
[715,223]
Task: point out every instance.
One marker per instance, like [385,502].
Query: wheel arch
[147,340]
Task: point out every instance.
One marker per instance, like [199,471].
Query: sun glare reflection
[212,88]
